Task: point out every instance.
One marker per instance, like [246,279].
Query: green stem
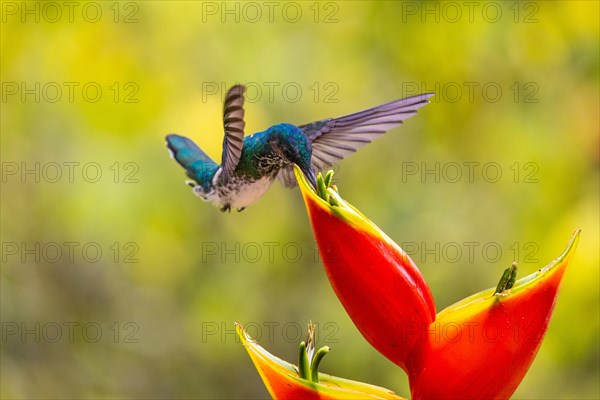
[321,188]
[314,368]
[513,276]
[303,365]
[324,183]
[328,178]
[508,278]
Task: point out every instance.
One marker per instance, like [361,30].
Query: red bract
[479,348]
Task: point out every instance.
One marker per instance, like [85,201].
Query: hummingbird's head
[290,143]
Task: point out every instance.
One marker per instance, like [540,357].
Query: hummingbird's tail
[198,166]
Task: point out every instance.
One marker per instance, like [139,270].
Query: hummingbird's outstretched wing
[198,166]
[233,122]
[334,138]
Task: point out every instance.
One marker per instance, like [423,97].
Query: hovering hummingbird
[250,165]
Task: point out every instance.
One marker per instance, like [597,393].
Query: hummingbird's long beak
[311,177]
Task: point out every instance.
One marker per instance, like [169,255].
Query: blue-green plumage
[265,153]
[198,166]
[250,165]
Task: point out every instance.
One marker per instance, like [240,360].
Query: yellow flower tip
[336,205]
[567,254]
[554,270]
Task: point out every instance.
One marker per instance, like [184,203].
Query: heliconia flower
[480,347]
[303,382]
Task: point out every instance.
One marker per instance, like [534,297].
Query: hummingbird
[250,165]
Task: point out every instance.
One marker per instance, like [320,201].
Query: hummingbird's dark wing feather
[334,138]
[233,122]
[198,166]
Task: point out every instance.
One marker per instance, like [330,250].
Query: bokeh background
[117,282]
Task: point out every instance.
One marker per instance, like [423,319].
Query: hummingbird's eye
[275,146]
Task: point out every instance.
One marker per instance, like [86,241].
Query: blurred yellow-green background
[117,282]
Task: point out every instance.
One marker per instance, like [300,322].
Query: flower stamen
[508,279]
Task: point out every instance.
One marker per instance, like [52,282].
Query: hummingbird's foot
[226,207]
[241,209]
